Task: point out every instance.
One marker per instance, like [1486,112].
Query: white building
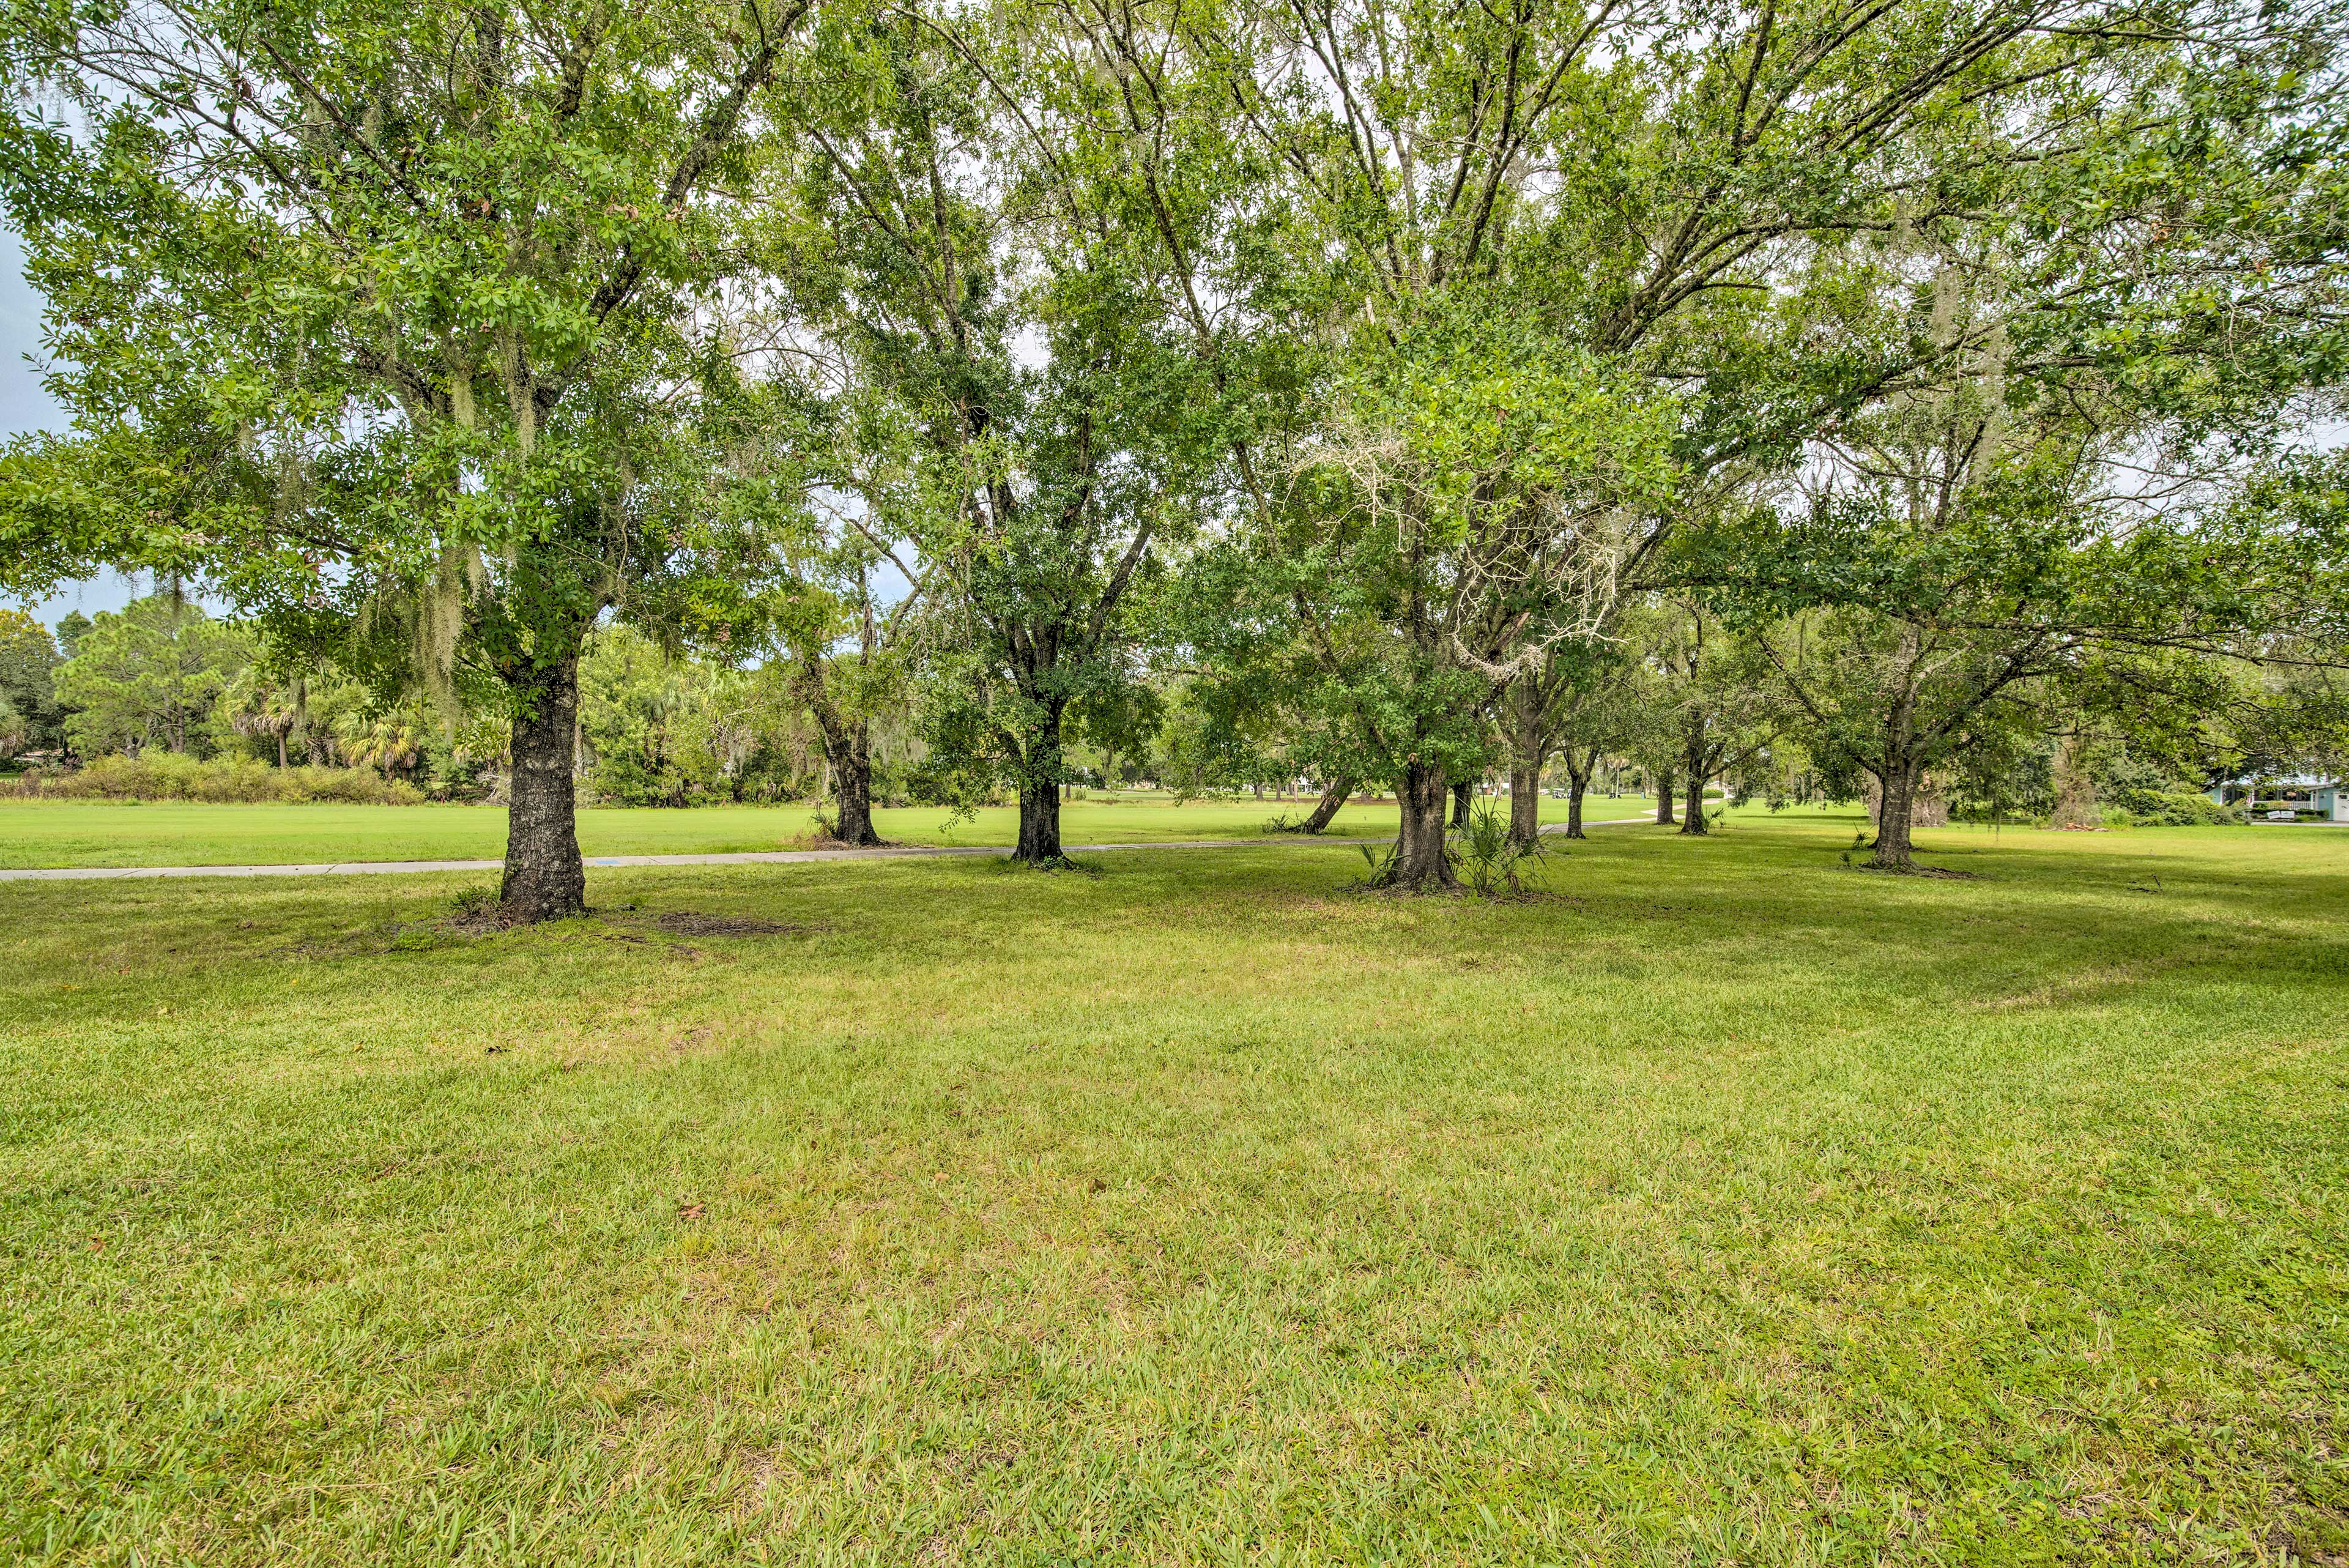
[2308,798]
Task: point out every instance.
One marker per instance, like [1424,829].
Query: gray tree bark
[1421,864]
[1333,799]
[544,877]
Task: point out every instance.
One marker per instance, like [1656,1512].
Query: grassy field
[109,833]
[1722,1205]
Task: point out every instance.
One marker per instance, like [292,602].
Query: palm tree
[390,742]
[263,702]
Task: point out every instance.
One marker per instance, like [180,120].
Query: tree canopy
[1379,389]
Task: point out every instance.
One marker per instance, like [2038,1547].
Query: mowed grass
[1725,1205]
[35,834]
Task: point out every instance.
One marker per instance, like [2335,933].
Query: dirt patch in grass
[1943,873]
[690,923]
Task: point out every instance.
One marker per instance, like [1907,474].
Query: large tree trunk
[1525,804]
[850,751]
[1664,799]
[1039,825]
[1040,799]
[1421,864]
[544,877]
[1896,802]
[1333,799]
[1894,814]
[847,754]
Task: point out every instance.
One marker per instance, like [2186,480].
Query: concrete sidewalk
[765,858]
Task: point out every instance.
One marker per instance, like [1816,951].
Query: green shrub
[2179,808]
[2152,799]
[173,775]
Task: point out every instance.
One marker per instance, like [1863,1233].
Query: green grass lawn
[1723,1205]
[110,833]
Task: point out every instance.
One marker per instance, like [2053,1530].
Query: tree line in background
[1915,402]
[1682,708]
[163,678]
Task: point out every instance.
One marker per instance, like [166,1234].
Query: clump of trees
[731,401]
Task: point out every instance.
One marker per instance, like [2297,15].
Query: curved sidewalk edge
[748,857]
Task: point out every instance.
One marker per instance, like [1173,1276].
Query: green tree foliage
[28,664]
[384,317]
[392,740]
[1695,219]
[153,675]
[1348,375]
[2282,545]
[268,704]
[1004,233]
[659,731]
[1465,515]
[70,629]
[1962,560]
[1715,708]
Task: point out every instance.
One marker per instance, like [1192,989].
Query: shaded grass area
[181,832]
[1723,1203]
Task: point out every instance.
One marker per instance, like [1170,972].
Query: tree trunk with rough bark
[1039,798]
[1696,772]
[1525,804]
[1040,826]
[1333,799]
[544,877]
[850,751]
[1664,799]
[1463,795]
[1896,779]
[847,752]
[1894,815]
[1579,766]
[1421,864]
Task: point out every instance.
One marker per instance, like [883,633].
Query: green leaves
[152,674]
[383,311]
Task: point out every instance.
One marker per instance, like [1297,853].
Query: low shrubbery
[173,776]
[2178,808]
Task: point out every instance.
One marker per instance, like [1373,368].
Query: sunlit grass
[1726,1203]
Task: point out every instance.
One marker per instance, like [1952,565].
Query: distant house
[2308,798]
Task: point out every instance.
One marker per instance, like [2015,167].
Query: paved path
[765,858]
